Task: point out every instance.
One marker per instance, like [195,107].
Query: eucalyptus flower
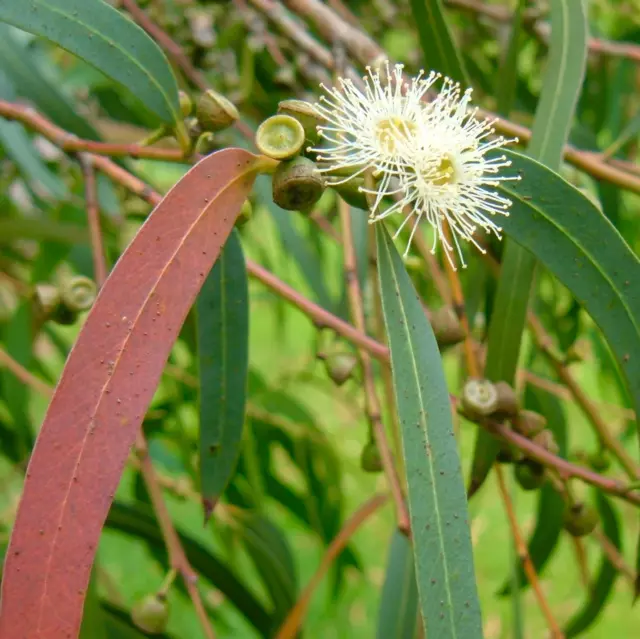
[435,158]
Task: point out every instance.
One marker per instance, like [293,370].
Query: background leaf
[101,35]
[222,312]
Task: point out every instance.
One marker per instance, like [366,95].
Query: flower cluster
[430,156]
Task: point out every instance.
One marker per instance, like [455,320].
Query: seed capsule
[151,614]
[446,326]
[78,293]
[308,117]
[350,192]
[186,104]
[370,460]
[479,398]
[529,424]
[580,519]
[340,366]
[529,474]
[280,137]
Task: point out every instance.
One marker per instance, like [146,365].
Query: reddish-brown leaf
[105,389]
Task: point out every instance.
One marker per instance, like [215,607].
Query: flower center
[445,173]
[390,130]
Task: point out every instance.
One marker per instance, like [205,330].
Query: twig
[177,556]
[614,556]
[71,144]
[290,626]
[23,375]
[543,341]
[367,52]
[372,403]
[523,552]
[93,219]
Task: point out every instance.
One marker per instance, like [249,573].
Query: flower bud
[78,293]
[528,423]
[297,184]
[151,614]
[580,519]
[280,137]
[340,366]
[546,440]
[350,192]
[600,461]
[508,406]
[529,474]
[186,104]
[205,143]
[446,326]
[308,117]
[215,112]
[46,300]
[370,460]
[479,398]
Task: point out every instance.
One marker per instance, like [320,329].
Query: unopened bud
[529,474]
[280,137]
[151,614]
[297,184]
[350,192]
[446,326]
[529,423]
[308,117]
[546,440]
[508,405]
[580,519]
[370,459]
[186,104]
[215,112]
[340,366]
[78,293]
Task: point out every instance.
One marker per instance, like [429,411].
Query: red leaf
[105,389]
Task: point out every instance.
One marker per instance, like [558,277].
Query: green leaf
[270,552]
[103,37]
[222,312]
[19,148]
[604,582]
[437,503]
[93,619]
[507,79]
[549,518]
[554,115]
[398,612]
[567,233]
[438,47]
[138,520]
[20,65]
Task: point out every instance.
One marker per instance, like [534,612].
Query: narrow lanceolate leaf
[102,36]
[605,580]
[437,502]
[398,611]
[554,116]
[105,389]
[270,552]
[21,66]
[222,312]
[19,148]
[438,47]
[567,233]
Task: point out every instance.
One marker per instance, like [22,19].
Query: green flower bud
[308,117]
[370,460]
[151,614]
[297,184]
[508,405]
[280,137]
[580,519]
[529,474]
[350,192]
[46,301]
[546,440]
[78,293]
[340,366]
[529,424]
[206,143]
[215,112]
[446,326]
[600,461]
[186,104]
[479,398]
